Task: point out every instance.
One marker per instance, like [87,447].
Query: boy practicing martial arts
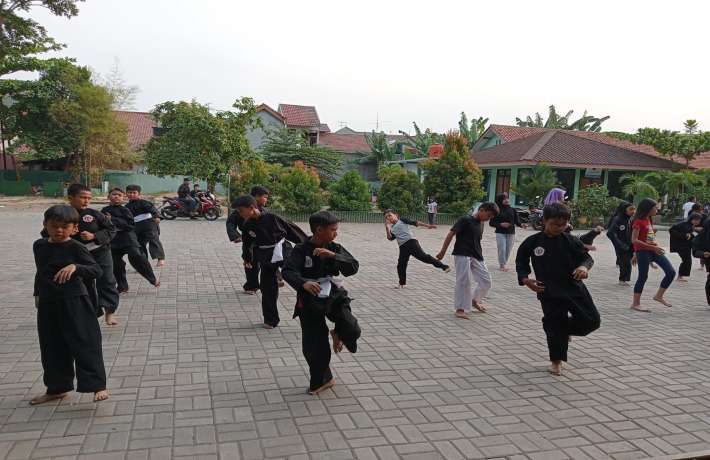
[147,220]
[126,243]
[561,263]
[398,229]
[311,270]
[468,259]
[264,243]
[69,333]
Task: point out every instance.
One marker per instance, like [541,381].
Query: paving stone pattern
[193,375]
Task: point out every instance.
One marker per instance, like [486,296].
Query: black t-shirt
[52,257]
[469,231]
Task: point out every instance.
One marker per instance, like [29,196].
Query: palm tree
[585,123]
[638,186]
[534,183]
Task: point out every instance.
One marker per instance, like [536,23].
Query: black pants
[686,256]
[137,259]
[412,249]
[69,337]
[707,283]
[151,238]
[316,347]
[269,293]
[567,316]
[103,291]
[430,217]
[252,276]
[623,259]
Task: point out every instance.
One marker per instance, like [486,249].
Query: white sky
[644,62]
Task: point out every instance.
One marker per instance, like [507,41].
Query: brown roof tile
[701,161]
[140,127]
[301,116]
[346,143]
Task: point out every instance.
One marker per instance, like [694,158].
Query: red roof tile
[568,148]
[300,116]
[324,128]
[266,108]
[513,133]
[140,127]
[701,161]
[346,143]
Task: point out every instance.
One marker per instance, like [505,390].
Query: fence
[365,217]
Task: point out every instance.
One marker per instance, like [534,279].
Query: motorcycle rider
[185,197]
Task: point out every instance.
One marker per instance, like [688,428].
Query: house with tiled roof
[270,119]
[304,118]
[580,158]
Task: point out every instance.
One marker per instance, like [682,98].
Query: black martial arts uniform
[567,307]
[682,243]
[619,232]
[235,225]
[147,230]
[126,243]
[260,238]
[69,334]
[701,245]
[302,266]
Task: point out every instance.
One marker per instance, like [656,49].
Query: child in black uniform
[682,243]
[310,270]
[96,232]
[235,225]
[146,218]
[619,232]
[126,243]
[561,262]
[69,334]
[701,250]
[265,235]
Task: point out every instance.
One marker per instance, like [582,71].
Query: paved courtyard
[193,375]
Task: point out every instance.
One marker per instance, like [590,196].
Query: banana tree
[555,121]
[475,130]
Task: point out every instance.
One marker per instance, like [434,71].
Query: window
[313,138]
[503,181]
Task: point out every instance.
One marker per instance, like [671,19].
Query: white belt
[278,254]
[142,217]
[326,284]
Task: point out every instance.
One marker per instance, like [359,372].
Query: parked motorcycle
[535,220]
[207,207]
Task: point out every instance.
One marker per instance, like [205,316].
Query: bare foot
[157,284]
[337,343]
[555,367]
[624,283]
[110,319]
[462,314]
[123,291]
[101,395]
[400,286]
[268,326]
[662,301]
[41,399]
[161,263]
[682,280]
[479,306]
[640,308]
[504,269]
[250,291]
[330,383]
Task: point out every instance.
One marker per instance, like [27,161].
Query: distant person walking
[505,223]
[432,208]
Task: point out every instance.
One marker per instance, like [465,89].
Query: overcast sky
[642,62]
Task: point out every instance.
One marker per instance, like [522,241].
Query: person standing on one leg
[647,251]
[69,333]
[561,263]
[468,258]
[264,238]
[235,226]
[147,220]
[311,270]
[125,242]
[619,232]
[505,223]
[398,229]
[682,243]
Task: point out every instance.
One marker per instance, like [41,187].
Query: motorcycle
[535,220]
[207,207]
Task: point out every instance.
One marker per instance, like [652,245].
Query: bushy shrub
[594,204]
[350,193]
[298,189]
[400,190]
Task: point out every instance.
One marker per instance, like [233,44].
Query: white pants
[505,247]
[468,271]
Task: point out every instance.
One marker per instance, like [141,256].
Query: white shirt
[431,207]
[686,209]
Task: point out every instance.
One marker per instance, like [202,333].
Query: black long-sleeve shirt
[509,215]
[122,220]
[302,265]
[681,236]
[701,243]
[52,257]
[140,209]
[554,260]
[262,233]
[93,221]
[619,232]
[235,225]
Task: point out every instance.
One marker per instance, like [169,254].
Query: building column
[492,184]
[513,184]
[577,176]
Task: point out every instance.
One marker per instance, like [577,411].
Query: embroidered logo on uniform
[88,218]
[252,233]
[308,263]
[622,227]
[539,251]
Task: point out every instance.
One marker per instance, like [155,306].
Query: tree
[691,126]
[670,143]
[298,189]
[638,186]
[454,179]
[380,148]
[554,120]
[422,140]
[22,38]
[350,193]
[196,142]
[285,147]
[250,172]
[124,95]
[535,182]
[473,131]
[400,190]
